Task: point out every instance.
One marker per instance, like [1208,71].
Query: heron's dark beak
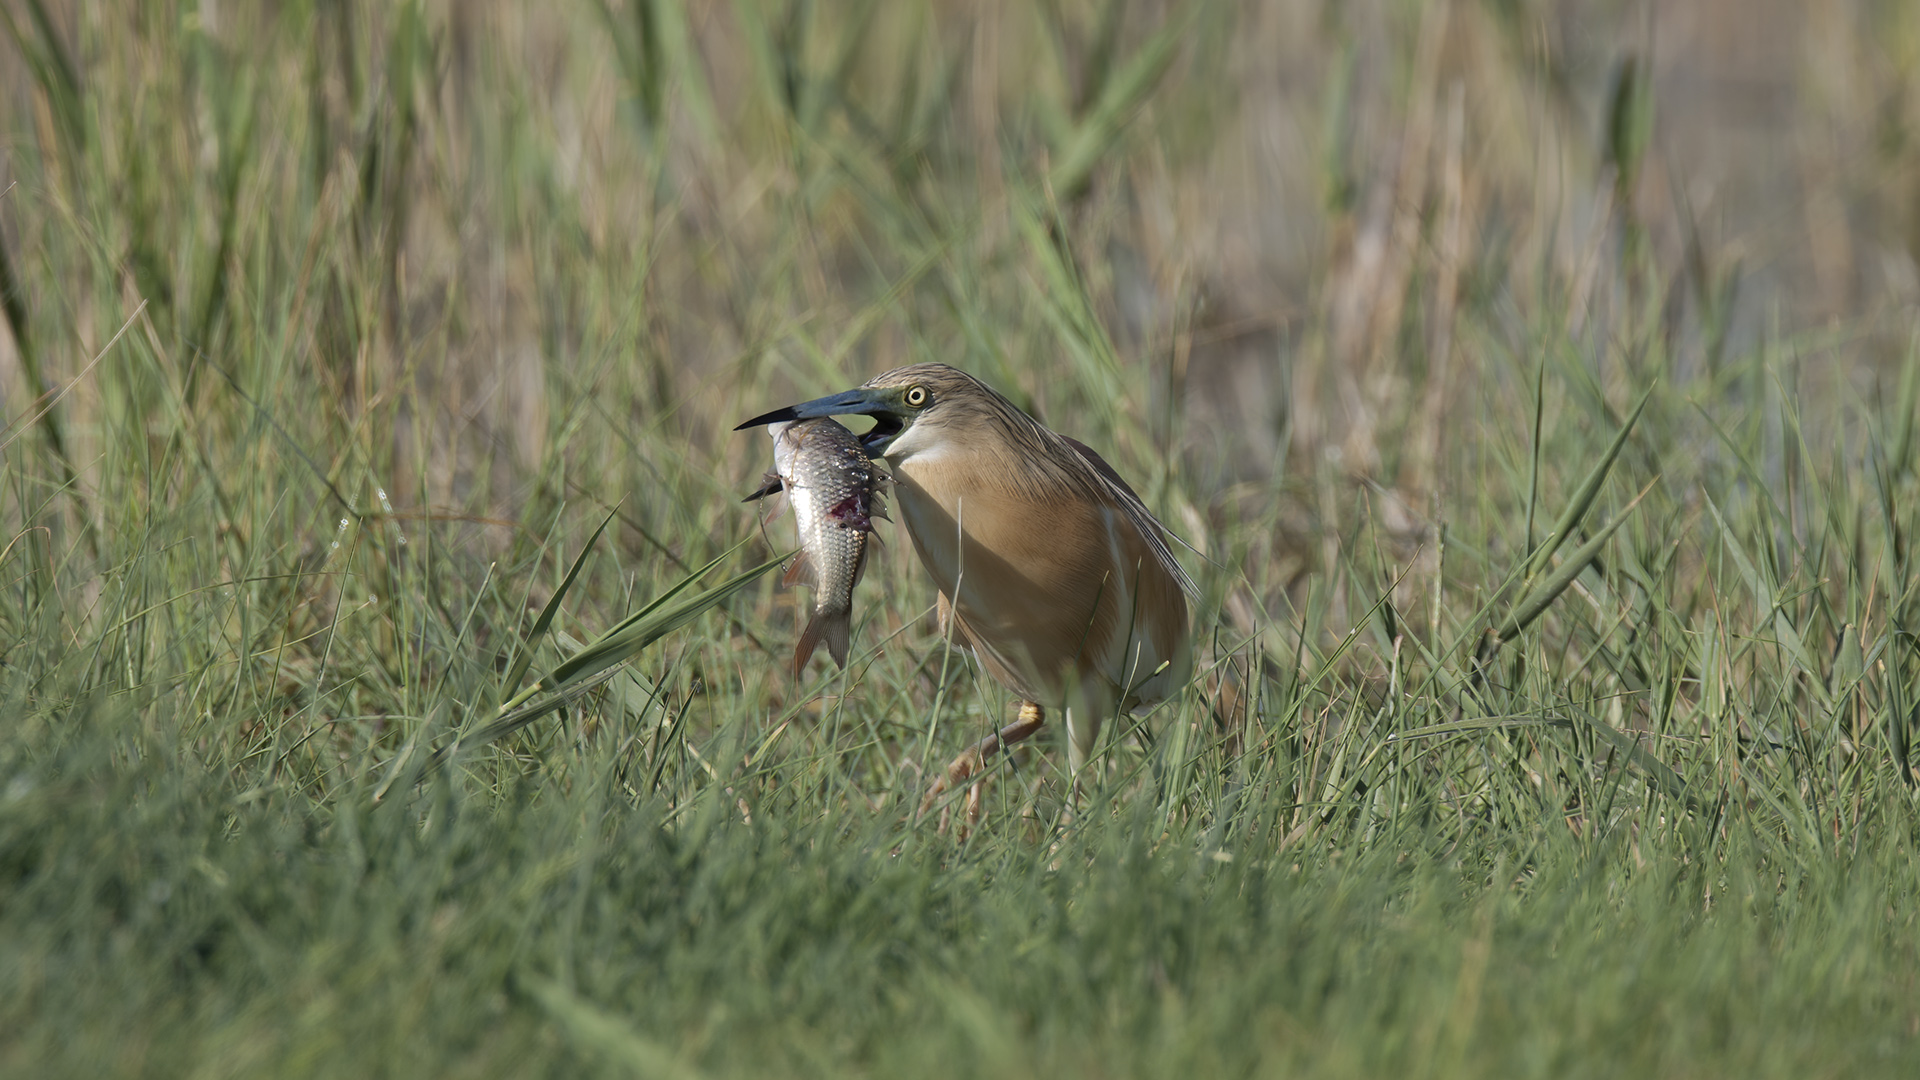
[882,405]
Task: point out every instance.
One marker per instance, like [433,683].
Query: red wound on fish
[852,512]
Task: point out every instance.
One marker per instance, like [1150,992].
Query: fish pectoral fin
[860,563]
[797,571]
[830,627]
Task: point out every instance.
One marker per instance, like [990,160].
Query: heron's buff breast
[1050,588]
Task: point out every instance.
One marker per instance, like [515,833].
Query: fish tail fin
[830,627]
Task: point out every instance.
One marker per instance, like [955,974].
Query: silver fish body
[834,490]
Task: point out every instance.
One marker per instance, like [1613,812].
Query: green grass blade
[1629,744]
[549,683]
[1589,490]
[1543,594]
[1122,93]
[645,627]
[518,671]
[604,1034]
[54,72]
[599,659]
[1901,439]
[1767,595]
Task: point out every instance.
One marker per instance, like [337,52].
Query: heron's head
[916,409]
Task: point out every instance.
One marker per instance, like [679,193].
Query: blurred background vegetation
[470,230]
[334,328]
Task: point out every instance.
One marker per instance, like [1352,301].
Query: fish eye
[916,397]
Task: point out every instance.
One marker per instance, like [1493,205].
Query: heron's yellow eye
[917,397]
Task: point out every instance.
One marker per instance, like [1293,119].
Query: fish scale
[834,492]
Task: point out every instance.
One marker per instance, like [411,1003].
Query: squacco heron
[1050,569]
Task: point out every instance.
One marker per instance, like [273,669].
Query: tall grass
[1558,681]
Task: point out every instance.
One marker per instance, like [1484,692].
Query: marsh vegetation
[1537,380]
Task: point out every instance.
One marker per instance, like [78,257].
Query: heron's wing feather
[950,628]
[1044,585]
[1136,511]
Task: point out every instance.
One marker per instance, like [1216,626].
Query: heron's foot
[956,774]
[973,760]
